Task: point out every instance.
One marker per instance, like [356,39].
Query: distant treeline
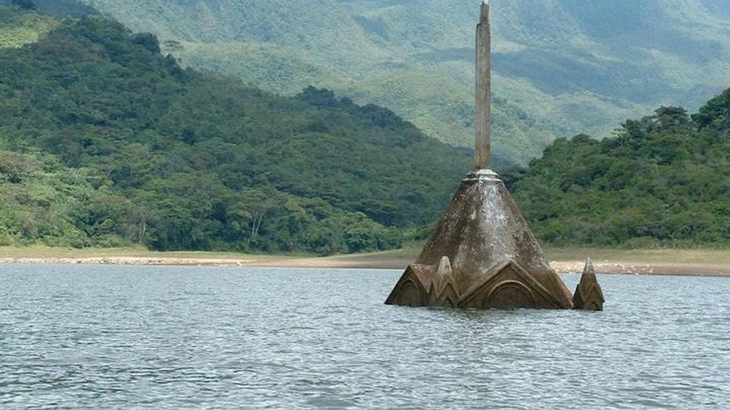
[663,180]
[106,142]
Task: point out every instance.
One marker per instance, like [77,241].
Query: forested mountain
[106,142]
[561,67]
[663,180]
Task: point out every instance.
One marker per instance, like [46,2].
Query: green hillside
[661,181]
[561,67]
[105,142]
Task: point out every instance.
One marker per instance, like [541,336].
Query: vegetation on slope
[661,181]
[561,67]
[106,142]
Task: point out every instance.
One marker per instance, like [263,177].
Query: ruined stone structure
[482,254]
[588,294]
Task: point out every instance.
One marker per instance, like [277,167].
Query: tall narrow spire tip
[482,149]
[485,12]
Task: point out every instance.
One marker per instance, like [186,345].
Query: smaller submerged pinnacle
[588,294]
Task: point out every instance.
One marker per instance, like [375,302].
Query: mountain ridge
[106,142]
[561,67]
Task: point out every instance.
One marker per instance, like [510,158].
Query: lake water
[203,337]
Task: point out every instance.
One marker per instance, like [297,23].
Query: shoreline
[374,262]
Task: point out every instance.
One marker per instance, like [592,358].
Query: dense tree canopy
[663,180]
[107,142]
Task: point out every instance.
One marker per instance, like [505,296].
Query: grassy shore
[644,256]
[636,261]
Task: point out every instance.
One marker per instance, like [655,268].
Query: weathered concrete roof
[483,227]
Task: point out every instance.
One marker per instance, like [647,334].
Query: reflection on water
[172,337]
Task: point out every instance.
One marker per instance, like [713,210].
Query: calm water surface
[203,337]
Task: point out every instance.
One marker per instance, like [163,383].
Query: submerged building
[482,254]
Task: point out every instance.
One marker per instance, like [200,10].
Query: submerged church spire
[482,254]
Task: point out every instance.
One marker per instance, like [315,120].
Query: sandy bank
[368,262]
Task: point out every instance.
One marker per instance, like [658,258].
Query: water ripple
[182,337]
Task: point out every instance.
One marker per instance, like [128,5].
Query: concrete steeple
[482,120]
